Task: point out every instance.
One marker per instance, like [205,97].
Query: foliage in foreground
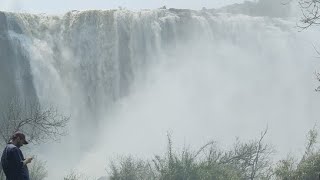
[38,170]
[250,160]
[73,175]
[244,161]
[307,168]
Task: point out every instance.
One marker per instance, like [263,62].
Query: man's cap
[21,136]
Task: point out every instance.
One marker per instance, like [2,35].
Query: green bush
[38,170]
[128,168]
[73,175]
[244,161]
[308,168]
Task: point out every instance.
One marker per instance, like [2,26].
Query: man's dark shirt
[12,163]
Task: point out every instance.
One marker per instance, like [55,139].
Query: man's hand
[27,161]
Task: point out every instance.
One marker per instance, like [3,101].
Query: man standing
[13,163]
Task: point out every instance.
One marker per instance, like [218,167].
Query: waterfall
[127,78]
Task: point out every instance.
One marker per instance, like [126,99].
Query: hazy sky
[60,6]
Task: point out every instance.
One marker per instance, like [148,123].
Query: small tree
[310,13]
[310,16]
[252,158]
[38,123]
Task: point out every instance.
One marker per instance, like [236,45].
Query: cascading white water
[127,78]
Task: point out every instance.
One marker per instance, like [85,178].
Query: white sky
[61,6]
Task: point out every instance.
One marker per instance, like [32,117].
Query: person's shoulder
[11,147]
